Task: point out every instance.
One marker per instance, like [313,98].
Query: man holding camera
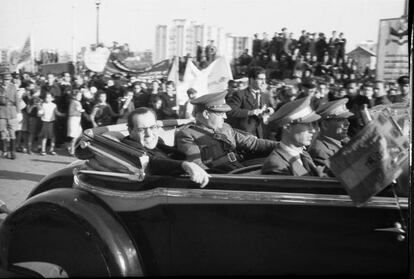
[251,106]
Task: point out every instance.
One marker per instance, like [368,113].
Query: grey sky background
[52,23]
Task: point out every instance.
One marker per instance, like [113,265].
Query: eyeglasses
[142,130]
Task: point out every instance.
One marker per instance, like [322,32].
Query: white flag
[191,71]
[214,78]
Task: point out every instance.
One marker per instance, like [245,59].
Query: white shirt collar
[292,150]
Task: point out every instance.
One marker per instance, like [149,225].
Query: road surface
[18,177]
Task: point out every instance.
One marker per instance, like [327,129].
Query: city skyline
[54,24]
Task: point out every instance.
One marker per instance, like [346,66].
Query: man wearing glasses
[214,144]
[334,126]
[144,135]
[298,123]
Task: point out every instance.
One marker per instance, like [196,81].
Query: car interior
[109,160]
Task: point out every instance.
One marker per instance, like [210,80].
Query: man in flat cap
[404,85]
[212,143]
[298,122]
[9,106]
[333,126]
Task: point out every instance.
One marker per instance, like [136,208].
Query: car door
[262,225]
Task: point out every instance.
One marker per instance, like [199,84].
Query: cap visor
[345,115]
[222,108]
[310,118]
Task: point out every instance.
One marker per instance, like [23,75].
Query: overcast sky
[54,22]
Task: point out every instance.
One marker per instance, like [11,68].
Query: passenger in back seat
[144,135]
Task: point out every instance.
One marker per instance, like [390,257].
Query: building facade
[161,43]
[363,58]
[181,36]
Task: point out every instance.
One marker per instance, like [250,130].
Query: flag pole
[74,56]
[32,54]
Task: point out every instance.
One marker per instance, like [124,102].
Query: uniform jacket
[281,162]
[241,102]
[10,102]
[400,98]
[323,148]
[159,160]
[383,100]
[204,146]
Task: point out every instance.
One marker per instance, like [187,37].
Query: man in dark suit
[169,101]
[256,45]
[333,126]
[321,46]
[249,106]
[298,123]
[114,93]
[144,135]
[199,51]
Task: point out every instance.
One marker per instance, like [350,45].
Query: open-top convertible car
[104,216]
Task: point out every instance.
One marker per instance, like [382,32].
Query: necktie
[308,164]
[258,99]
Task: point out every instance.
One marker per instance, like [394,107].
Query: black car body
[88,222]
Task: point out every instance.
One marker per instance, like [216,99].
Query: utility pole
[98,3]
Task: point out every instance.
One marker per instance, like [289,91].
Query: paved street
[18,177]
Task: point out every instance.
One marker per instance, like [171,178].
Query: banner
[23,58]
[96,60]
[372,160]
[157,71]
[392,56]
[25,53]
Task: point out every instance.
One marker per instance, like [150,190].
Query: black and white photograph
[206,138]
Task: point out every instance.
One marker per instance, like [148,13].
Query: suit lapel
[249,98]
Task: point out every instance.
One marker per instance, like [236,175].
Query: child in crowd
[88,102]
[34,123]
[156,105]
[102,112]
[48,112]
[126,105]
[21,130]
[74,119]
[187,111]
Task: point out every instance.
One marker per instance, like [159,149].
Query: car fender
[71,229]
[62,178]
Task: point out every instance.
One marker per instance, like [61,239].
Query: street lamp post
[97,2]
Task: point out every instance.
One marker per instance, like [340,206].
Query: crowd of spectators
[58,108]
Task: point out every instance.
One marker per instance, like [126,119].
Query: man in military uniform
[298,122]
[333,131]
[403,96]
[9,106]
[212,143]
